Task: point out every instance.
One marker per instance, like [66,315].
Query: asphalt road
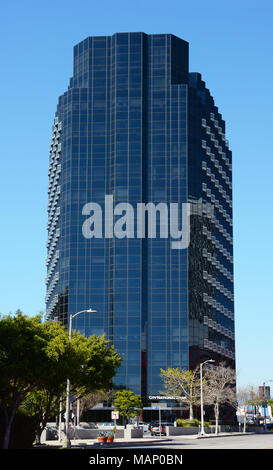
[252,441]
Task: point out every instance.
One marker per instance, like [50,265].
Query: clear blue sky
[231,45]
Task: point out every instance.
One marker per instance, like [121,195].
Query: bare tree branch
[183,384]
[219,388]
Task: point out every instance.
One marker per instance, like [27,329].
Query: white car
[107,424]
[142,425]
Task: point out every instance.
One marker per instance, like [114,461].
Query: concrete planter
[131,433]
[184,431]
[51,432]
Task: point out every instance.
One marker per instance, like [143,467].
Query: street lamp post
[67,412]
[265,428]
[202,432]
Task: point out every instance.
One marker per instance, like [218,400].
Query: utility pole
[202,432]
[67,413]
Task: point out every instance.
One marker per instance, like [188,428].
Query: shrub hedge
[189,423]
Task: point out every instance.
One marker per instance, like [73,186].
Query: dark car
[152,423]
[157,429]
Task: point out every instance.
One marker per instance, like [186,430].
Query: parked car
[152,423]
[157,429]
[87,425]
[109,425]
[105,424]
[145,426]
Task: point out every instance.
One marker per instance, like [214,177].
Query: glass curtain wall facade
[211,288]
[135,125]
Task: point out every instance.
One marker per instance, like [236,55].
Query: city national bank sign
[164,397]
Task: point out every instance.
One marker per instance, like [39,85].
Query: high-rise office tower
[135,138]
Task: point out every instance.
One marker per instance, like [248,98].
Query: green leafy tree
[90,365]
[23,363]
[182,384]
[36,356]
[96,367]
[42,404]
[127,404]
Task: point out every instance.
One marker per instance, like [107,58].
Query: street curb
[105,445]
[129,442]
[230,434]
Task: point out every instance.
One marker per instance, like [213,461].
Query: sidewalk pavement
[223,434]
[89,443]
[94,442]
